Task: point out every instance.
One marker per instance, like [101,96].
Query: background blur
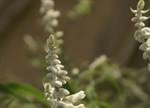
[107,29]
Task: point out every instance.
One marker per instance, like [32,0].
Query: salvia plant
[106,85]
[55,93]
[142,34]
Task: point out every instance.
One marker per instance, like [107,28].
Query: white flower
[145,46]
[75,97]
[56,95]
[145,32]
[46,5]
[98,61]
[142,35]
[50,15]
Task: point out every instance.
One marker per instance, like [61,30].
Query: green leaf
[105,105]
[24,92]
[8,91]
[79,10]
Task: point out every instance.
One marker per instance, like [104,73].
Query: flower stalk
[142,34]
[55,93]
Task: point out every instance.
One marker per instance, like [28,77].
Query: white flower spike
[56,95]
[142,34]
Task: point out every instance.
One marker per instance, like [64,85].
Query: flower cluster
[50,16]
[142,34]
[56,95]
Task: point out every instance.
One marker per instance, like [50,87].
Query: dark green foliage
[20,94]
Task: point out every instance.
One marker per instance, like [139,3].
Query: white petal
[58,84]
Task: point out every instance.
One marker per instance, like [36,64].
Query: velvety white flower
[145,32]
[56,95]
[46,5]
[50,15]
[75,97]
[98,61]
[50,19]
[145,46]
[142,34]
